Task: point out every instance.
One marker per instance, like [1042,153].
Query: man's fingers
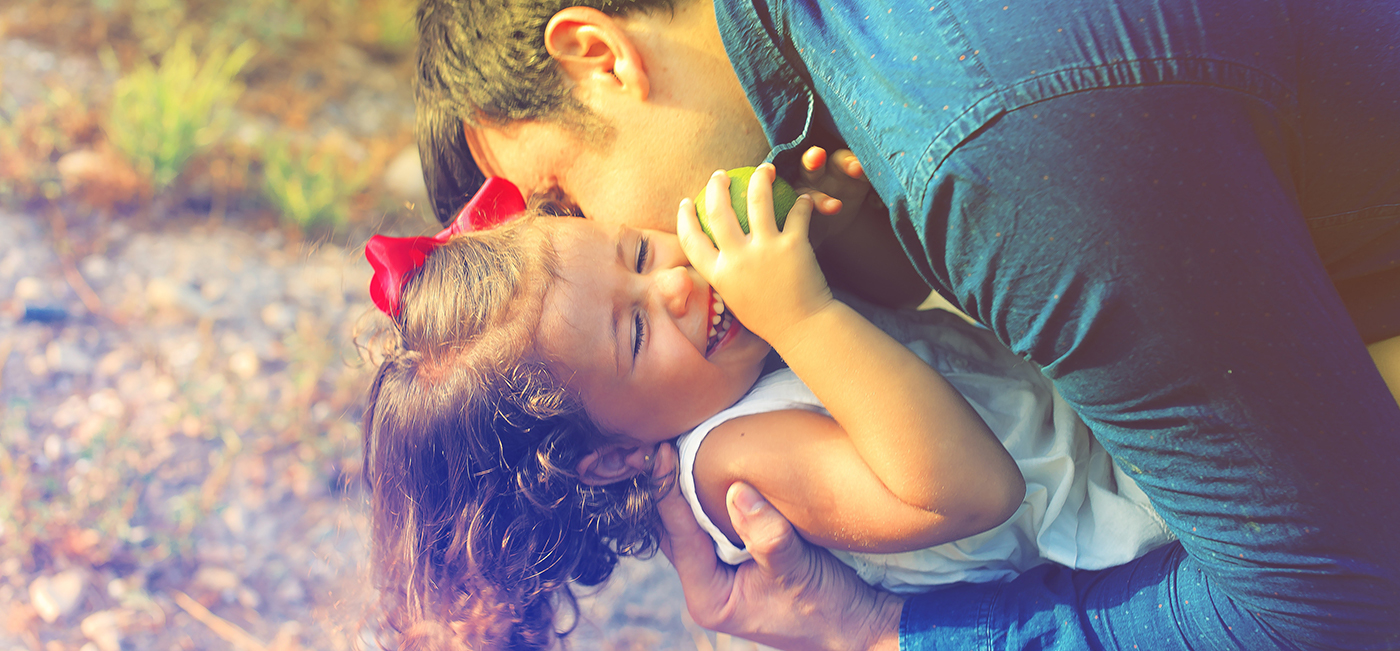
[767,535]
[847,162]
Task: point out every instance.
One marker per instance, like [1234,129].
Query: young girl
[538,366]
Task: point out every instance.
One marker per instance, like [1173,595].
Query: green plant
[162,116]
[394,25]
[310,186]
[274,23]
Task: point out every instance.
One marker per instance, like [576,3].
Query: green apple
[783,199]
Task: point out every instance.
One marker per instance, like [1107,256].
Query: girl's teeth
[714,320]
[712,332]
[719,305]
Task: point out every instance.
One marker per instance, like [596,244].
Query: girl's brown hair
[478,521]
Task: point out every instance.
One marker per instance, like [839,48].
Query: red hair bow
[396,258]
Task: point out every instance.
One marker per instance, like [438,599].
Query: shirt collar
[756,44]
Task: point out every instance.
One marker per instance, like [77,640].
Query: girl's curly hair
[478,521]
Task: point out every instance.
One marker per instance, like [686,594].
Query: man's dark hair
[484,62]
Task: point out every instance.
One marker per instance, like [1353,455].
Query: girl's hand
[838,187]
[769,278]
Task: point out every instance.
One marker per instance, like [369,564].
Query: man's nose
[673,287]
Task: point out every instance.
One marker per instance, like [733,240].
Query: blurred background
[185,190]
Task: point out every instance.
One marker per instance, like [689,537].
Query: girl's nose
[674,286]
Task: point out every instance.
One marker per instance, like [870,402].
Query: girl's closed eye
[643,249]
[639,334]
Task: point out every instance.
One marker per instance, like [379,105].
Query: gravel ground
[179,430]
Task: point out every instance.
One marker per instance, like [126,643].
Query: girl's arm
[894,416]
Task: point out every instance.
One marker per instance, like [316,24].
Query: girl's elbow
[998,502]
[1008,500]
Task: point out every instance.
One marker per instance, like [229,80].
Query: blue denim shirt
[1184,211]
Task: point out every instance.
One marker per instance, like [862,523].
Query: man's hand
[791,596]
[838,188]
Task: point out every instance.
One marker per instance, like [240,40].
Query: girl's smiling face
[630,327]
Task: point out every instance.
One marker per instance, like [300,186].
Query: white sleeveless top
[1080,510]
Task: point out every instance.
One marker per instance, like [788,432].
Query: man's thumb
[766,533]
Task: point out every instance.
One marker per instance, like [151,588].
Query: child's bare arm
[804,464]
[916,434]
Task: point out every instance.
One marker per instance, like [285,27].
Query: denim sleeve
[1146,247]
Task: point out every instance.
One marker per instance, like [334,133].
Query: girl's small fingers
[762,222]
[799,219]
[694,243]
[723,224]
[814,159]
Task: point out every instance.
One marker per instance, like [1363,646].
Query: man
[1189,215]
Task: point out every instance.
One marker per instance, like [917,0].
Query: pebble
[29,289]
[244,364]
[162,293]
[290,591]
[96,267]
[67,357]
[403,176]
[278,316]
[104,629]
[57,595]
[217,579]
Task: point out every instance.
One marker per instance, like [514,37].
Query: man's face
[636,178]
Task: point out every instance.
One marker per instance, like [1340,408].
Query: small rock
[57,595]
[107,403]
[115,361]
[29,288]
[290,591]
[248,598]
[278,316]
[100,178]
[162,293]
[217,579]
[67,357]
[403,176]
[104,629]
[244,364]
[235,518]
[37,365]
[53,447]
[214,289]
[10,567]
[96,267]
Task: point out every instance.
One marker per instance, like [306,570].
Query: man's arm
[791,596]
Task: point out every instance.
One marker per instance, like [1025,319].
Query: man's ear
[613,463]
[596,52]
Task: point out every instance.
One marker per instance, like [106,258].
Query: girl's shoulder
[777,390]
